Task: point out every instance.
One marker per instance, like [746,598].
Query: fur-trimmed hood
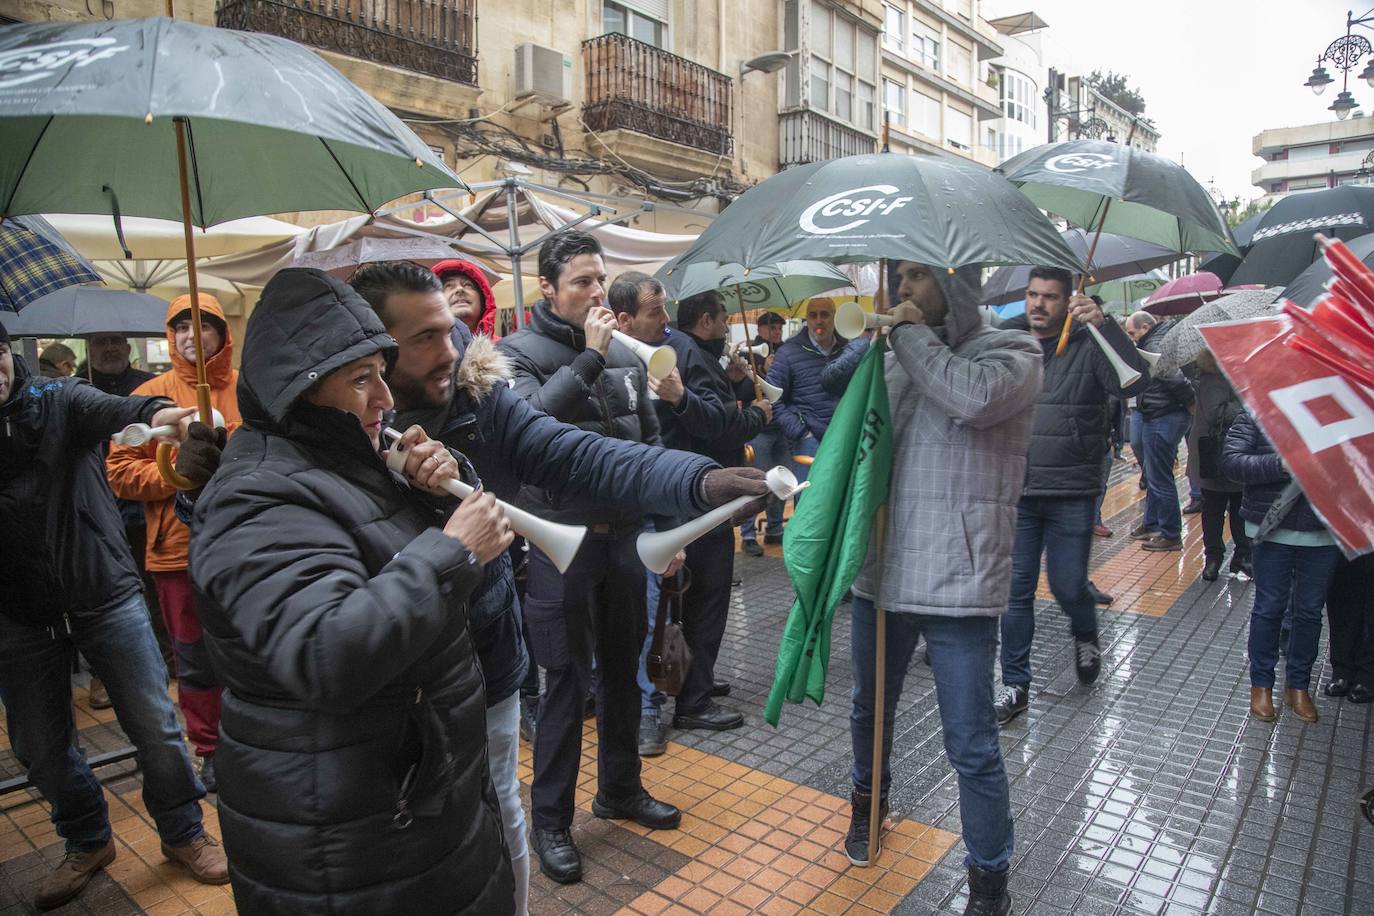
[480,368]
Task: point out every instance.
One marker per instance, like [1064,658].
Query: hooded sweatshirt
[486,321]
[132,470]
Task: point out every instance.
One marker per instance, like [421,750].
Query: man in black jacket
[1055,516]
[699,412]
[567,365]
[71,584]
[454,385]
[1166,406]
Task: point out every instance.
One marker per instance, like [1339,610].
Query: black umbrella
[1116,256]
[1282,246]
[1309,285]
[80,311]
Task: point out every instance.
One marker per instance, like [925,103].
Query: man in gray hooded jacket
[961,395]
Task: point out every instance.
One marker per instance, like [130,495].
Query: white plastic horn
[657,548]
[1149,357]
[661,361]
[136,434]
[772,392]
[758,349]
[851,320]
[1124,373]
[559,542]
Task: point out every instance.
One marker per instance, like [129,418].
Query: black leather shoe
[720,689]
[643,809]
[1143,532]
[559,859]
[1361,694]
[712,717]
[1211,569]
[1193,508]
[752,548]
[1337,687]
[529,717]
[1242,566]
[987,893]
[1099,596]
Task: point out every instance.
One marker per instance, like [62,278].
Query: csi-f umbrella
[777,287]
[81,311]
[1182,343]
[35,260]
[936,210]
[1116,256]
[165,118]
[1309,285]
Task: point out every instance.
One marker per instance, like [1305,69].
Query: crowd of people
[358,654]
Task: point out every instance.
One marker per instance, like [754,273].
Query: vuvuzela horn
[661,361]
[136,434]
[559,542]
[657,548]
[851,320]
[1124,373]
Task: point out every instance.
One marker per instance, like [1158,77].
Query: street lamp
[1345,53]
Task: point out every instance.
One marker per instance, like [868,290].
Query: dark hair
[375,281]
[691,309]
[624,293]
[561,248]
[1064,278]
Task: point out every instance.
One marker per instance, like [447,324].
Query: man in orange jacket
[133,474]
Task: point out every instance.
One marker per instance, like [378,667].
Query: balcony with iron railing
[434,37]
[632,85]
[809,136]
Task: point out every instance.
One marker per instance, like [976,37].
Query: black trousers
[1350,612]
[705,606]
[595,609]
[1215,506]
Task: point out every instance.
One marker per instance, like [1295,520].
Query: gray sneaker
[1011,702]
[651,742]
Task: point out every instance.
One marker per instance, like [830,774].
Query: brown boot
[1300,701]
[97,695]
[1262,703]
[203,857]
[71,876]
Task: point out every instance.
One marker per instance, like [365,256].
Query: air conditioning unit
[543,74]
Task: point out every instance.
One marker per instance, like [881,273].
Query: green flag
[827,538]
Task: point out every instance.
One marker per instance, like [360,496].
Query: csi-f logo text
[864,203]
[25,65]
[1079,162]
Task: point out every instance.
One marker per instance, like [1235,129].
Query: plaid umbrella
[35,260]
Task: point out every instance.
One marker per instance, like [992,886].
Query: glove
[198,457]
[721,485]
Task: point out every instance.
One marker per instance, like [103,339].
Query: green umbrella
[773,286]
[1120,188]
[940,211]
[164,118]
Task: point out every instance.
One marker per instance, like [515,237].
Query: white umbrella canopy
[162,240]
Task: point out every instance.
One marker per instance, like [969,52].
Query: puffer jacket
[508,443]
[961,398]
[352,760]
[1218,405]
[552,368]
[806,406]
[123,385]
[1069,432]
[1248,458]
[64,551]
[708,420]
[132,470]
[1168,393]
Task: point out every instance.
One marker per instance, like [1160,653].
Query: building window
[894,28]
[843,67]
[894,101]
[622,18]
[925,45]
[959,66]
[1018,97]
[925,114]
[959,130]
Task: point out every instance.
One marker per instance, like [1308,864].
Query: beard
[411,393]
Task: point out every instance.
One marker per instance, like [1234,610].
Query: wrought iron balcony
[808,136]
[635,86]
[434,37]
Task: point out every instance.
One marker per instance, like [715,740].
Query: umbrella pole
[749,358]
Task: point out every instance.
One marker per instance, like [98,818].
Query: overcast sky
[1213,72]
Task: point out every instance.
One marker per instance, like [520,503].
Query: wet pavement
[1150,792]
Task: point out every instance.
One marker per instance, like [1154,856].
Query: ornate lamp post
[1345,53]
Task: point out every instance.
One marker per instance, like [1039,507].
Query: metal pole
[513,224]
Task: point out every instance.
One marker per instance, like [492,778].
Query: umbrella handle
[168,472]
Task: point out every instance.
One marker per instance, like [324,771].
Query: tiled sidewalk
[1151,792]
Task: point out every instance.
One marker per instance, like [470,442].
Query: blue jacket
[806,406]
[708,420]
[1249,458]
[509,443]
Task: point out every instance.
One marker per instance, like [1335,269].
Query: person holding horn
[1058,507]
[960,395]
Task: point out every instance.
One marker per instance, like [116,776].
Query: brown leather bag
[669,658]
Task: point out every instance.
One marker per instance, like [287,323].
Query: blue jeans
[503,752]
[770,450]
[1162,436]
[961,655]
[1296,577]
[652,699]
[1060,528]
[35,686]
[1137,437]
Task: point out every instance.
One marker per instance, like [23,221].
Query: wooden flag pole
[875,816]
[748,339]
